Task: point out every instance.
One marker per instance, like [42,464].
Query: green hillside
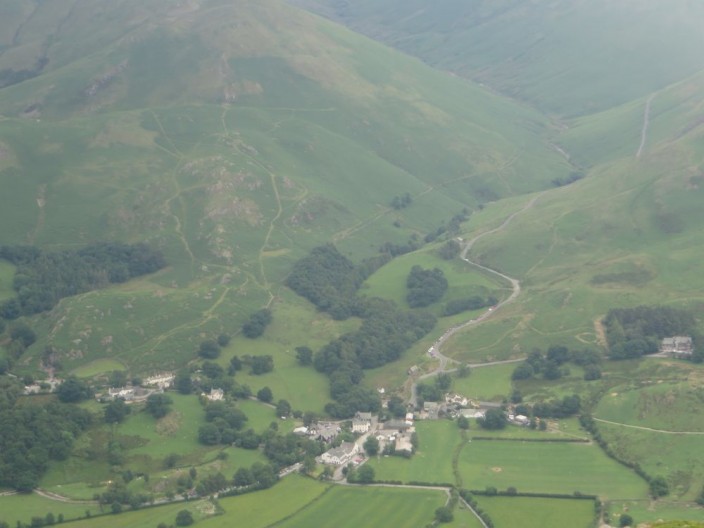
[627,234]
[567,58]
[234,136]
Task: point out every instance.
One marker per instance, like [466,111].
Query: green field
[147,517]
[432,462]
[648,512]
[485,383]
[99,366]
[389,282]
[348,507]
[673,456]
[547,467]
[21,508]
[264,508]
[537,513]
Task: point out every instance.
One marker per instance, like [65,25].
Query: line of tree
[475,302]
[44,278]
[634,332]
[553,364]
[330,281]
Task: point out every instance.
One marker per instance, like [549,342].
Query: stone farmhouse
[339,456]
[362,422]
[677,346]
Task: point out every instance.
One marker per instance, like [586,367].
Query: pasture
[373,507]
[485,383]
[663,509]
[22,507]
[389,282]
[530,512]
[271,506]
[547,467]
[147,517]
[97,367]
[432,462]
[677,457]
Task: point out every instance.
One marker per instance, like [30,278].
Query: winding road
[435,349]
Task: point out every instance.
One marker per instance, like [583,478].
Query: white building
[339,456]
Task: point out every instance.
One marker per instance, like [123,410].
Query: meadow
[21,508]
[485,383]
[547,467]
[432,462]
[374,507]
[529,512]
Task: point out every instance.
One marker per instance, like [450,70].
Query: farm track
[646,124]
[650,429]
[435,349]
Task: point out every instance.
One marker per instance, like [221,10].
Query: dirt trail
[650,429]
[646,124]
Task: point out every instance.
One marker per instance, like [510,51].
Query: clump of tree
[401,201]
[44,278]
[209,349]
[116,411]
[158,405]
[223,421]
[553,364]
[425,286]
[73,390]
[560,408]
[33,436]
[493,419]
[634,332]
[258,365]
[328,279]
[475,302]
[434,391]
[451,228]
[258,476]
[449,250]
[286,450]
[362,475]
[257,323]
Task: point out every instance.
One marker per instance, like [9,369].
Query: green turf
[99,366]
[374,507]
[264,508]
[432,462]
[21,508]
[537,512]
[648,512]
[547,467]
[485,383]
[147,517]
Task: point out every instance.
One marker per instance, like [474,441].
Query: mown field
[437,441]
[485,383]
[21,508]
[537,512]
[348,507]
[547,467]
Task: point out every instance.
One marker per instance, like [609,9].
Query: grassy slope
[542,52]
[234,154]
[626,234]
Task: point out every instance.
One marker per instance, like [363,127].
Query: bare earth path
[646,124]
[650,429]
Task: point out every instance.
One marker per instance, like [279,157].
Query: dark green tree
[444,514]
[73,390]
[158,405]
[209,349]
[304,355]
[184,518]
[371,445]
[116,411]
[493,419]
[264,394]
[625,520]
